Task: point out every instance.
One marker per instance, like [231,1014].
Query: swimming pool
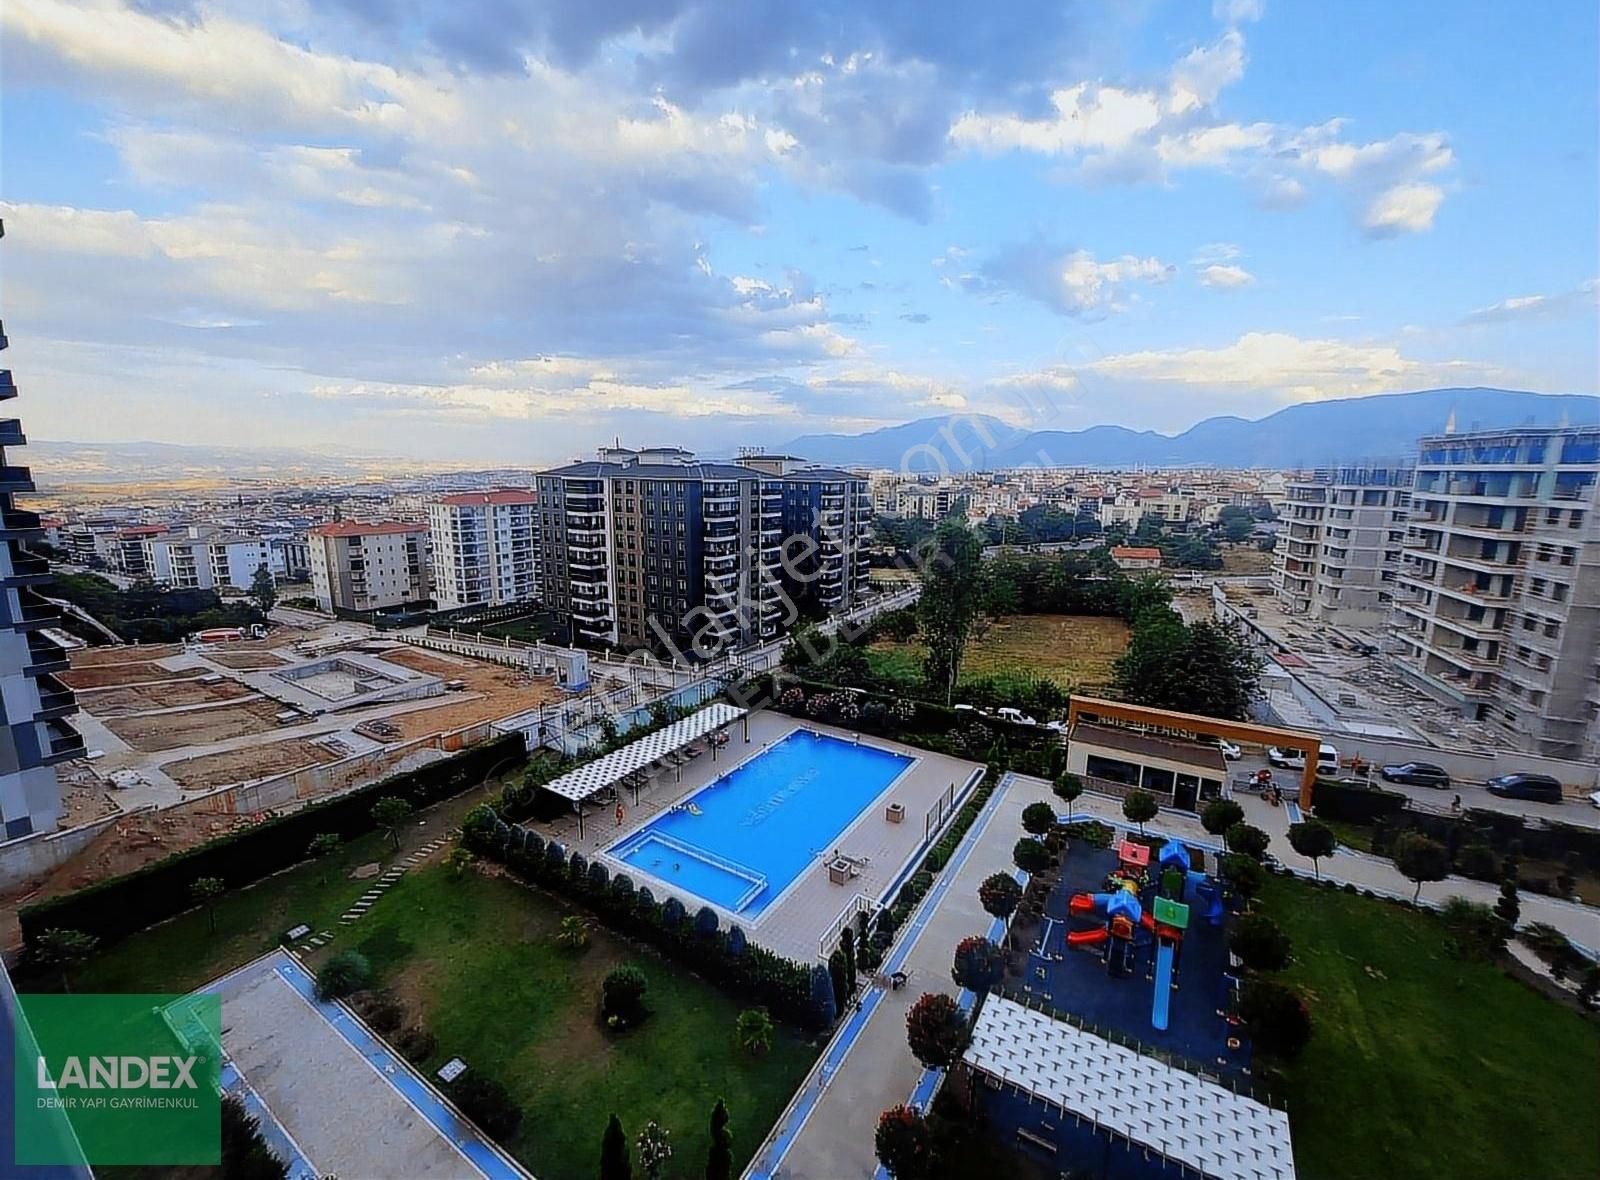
[741,840]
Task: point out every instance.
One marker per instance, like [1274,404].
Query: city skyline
[472,235]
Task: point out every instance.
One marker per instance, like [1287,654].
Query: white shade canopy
[612,768]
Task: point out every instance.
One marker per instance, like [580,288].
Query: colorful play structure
[1126,919]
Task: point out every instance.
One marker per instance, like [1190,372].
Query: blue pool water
[763,823]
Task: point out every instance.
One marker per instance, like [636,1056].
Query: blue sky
[502,232]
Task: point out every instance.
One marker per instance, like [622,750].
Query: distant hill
[57,464]
[1381,426]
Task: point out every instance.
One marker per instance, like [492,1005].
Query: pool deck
[792,924]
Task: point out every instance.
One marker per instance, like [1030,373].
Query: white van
[1327,759]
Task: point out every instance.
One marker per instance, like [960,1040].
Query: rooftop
[365,528]
[497,496]
[1131,742]
[1135,552]
[1184,1118]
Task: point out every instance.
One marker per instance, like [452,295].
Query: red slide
[1087,937]
[1080,903]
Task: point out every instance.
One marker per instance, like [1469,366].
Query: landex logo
[120,1073]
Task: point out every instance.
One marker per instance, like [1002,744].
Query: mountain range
[1310,434]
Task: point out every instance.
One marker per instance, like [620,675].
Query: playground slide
[1158,1014]
[1206,890]
[1081,903]
[1087,937]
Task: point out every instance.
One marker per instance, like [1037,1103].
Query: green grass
[1357,836]
[474,959]
[1422,1065]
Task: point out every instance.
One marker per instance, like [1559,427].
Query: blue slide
[1206,890]
[1158,1014]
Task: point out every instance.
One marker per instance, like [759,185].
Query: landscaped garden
[478,961]
[1422,1063]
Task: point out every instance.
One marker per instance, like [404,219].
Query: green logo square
[129,1079]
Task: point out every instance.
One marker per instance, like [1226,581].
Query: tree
[1139,807]
[622,996]
[346,972]
[574,933]
[824,1009]
[840,980]
[1278,1020]
[1220,815]
[390,813]
[486,1102]
[63,950]
[936,1029]
[654,1148]
[263,589]
[847,947]
[1247,840]
[205,891]
[1260,943]
[614,1162]
[1567,878]
[753,1031]
[1420,859]
[245,1153]
[979,964]
[1038,818]
[719,1161]
[1243,876]
[1206,667]
[458,861]
[1313,840]
[904,1143]
[1068,787]
[1030,856]
[322,847]
[1000,895]
[1509,906]
[951,596]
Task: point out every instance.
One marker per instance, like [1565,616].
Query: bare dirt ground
[142,698]
[245,659]
[84,798]
[90,657]
[137,841]
[502,692]
[199,727]
[107,676]
[235,766]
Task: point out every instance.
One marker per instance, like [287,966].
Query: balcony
[7,388]
[44,655]
[55,699]
[17,524]
[11,433]
[64,742]
[15,479]
[35,611]
[27,569]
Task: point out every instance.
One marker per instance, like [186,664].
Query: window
[1112,769]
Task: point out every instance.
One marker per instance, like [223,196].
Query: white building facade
[485,548]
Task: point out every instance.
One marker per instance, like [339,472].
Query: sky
[501,231]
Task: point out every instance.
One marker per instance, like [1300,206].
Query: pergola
[624,766]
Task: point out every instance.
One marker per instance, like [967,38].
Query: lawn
[474,959]
[1422,1065]
[1076,651]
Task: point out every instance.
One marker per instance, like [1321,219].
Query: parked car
[1287,759]
[1537,788]
[1418,774]
[1230,750]
[1015,716]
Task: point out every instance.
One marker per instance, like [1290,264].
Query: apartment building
[655,548]
[203,557]
[369,565]
[485,547]
[34,705]
[1497,610]
[1339,544]
[130,557]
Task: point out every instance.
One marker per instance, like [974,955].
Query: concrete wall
[33,856]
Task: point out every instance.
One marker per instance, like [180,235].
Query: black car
[1539,788]
[1418,774]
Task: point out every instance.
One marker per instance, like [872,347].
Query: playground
[1132,941]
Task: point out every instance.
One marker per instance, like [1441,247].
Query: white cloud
[1528,307]
[1225,275]
[1089,285]
[1237,11]
[1407,208]
[1294,369]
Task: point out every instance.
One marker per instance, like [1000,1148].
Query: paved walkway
[828,1135]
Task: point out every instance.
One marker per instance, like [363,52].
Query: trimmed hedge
[123,905]
[725,957]
[1355,805]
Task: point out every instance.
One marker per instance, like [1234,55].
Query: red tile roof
[359,528]
[1135,551]
[498,496]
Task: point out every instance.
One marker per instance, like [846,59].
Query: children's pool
[739,841]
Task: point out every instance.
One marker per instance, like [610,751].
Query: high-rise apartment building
[1339,543]
[657,549]
[33,703]
[1498,607]
[363,566]
[202,557]
[485,548]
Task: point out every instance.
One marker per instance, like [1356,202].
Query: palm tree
[389,813]
[753,1030]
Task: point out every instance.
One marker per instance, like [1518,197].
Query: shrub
[1244,877]
[1509,906]
[936,1029]
[1279,1022]
[904,1144]
[487,1103]
[1553,947]
[1140,807]
[736,943]
[415,1044]
[1478,861]
[705,922]
[1420,859]
[614,1164]
[574,933]
[1220,815]
[1030,856]
[622,890]
[599,877]
[824,1006]
[380,1010]
[979,965]
[1260,943]
[672,914]
[622,997]
[1476,931]
[753,1030]
[1313,840]
[578,867]
[1038,818]
[346,972]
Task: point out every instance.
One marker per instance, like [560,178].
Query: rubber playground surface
[1074,980]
